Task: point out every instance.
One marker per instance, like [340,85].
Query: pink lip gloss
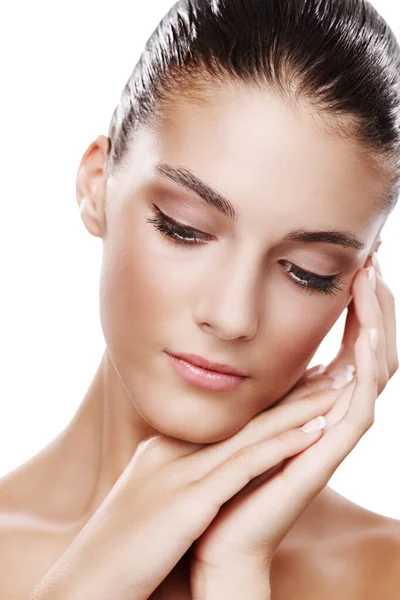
[211,380]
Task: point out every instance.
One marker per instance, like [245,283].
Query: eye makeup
[183,235]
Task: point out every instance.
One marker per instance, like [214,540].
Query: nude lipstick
[206,378]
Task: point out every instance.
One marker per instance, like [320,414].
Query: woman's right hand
[166,497]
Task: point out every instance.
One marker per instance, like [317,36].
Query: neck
[86,459]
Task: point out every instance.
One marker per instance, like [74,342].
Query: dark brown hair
[339,56]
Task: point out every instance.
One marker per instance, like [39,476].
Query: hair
[339,56]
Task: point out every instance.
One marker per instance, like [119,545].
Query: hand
[251,525]
[166,497]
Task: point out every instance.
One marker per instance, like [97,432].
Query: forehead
[267,156]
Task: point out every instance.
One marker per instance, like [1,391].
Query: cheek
[301,333]
[297,323]
[133,293]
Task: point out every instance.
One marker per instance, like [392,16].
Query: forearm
[234,584]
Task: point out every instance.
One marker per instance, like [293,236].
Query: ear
[91,186]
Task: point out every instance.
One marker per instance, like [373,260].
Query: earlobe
[90,216]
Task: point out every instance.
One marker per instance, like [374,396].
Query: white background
[63,68]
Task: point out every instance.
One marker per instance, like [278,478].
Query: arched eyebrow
[187,179]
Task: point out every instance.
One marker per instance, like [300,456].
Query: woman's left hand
[249,527]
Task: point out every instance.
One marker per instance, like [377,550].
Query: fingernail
[372,277]
[349,368]
[314,425]
[343,377]
[373,338]
[376,264]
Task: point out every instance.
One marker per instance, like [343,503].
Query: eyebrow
[187,179]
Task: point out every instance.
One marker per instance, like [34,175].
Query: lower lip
[211,380]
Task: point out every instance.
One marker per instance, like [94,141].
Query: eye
[314,283]
[180,234]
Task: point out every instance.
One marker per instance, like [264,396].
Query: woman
[250,167]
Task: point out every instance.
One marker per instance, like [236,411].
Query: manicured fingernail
[373,338]
[314,425]
[344,377]
[344,370]
[372,277]
[376,264]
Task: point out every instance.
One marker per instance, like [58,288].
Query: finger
[303,476]
[351,331]
[267,424]
[345,355]
[366,303]
[370,316]
[228,478]
[387,304]
[313,372]
[342,437]
[387,351]
[350,334]
[316,384]
[340,407]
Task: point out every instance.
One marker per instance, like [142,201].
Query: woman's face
[236,295]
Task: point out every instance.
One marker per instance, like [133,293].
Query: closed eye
[182,235]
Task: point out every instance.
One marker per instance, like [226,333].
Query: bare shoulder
[377,550]
[339,550]
[368,558]
[29,545]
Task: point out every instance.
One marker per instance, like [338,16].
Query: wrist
[232,583]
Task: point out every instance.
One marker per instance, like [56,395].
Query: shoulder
[362,545]
[28,549]
[377,550]
[367,559]
[354,558]
[29,544]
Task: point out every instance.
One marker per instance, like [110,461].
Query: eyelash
[180,234]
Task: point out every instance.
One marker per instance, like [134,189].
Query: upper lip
[208,364]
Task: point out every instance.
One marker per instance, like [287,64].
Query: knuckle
[151,449]
[283,441]
[178,476]
[386,375]
[374,375]
[383,380]
[391,297]
[243,460]
[369,419]
[393,367]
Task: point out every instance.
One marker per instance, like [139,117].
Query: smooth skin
[232,299]
[184,489]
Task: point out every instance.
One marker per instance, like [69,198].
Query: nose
[229,307]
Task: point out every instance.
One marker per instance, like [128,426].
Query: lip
[212,380]
[198,361]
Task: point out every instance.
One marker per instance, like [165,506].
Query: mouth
[203,377]
[204,363]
